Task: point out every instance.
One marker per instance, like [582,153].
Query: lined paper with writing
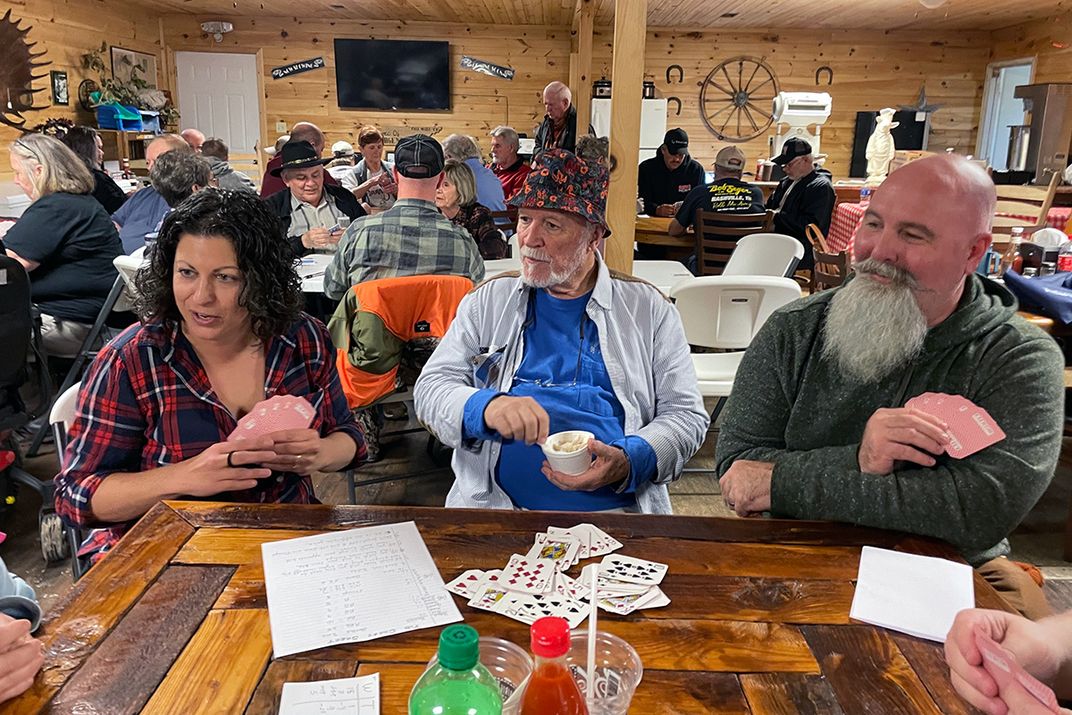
[345,696]
[352,586]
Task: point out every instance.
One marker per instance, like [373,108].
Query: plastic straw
[593,607]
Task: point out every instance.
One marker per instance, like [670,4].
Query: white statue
[880,148]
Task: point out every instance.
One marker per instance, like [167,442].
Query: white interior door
[218,95]
[1001,109]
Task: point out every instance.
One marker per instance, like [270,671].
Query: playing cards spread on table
[536,584]
[971,428]
[281,412]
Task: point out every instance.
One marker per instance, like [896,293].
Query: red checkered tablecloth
[846,220]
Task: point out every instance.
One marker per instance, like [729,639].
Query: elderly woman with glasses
[65,240]
[222,330]
[456,199]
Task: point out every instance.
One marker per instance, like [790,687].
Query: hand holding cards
[278,413]
[1008,674]
[971,428]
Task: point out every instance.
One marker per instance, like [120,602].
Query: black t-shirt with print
[726,195]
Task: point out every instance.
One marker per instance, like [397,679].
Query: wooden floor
[1038,540]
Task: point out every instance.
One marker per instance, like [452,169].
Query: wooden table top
[652,230]
[175,619]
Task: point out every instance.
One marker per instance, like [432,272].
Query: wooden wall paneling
[538,54]
[871,70]
[67,29]
[1049,41]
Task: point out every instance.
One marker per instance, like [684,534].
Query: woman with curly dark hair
[222,330]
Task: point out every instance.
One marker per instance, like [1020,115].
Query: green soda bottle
[456,684]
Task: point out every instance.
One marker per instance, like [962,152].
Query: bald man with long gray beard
[817,426]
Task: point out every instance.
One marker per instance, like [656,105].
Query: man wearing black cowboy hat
[308,209]
[803,197]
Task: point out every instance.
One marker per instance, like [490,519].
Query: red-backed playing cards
[1003,668]
[971,428]
[281,412]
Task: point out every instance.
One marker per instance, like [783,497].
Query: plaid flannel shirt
[411,238]
[147,402]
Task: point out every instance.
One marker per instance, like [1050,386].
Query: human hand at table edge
[746,487]
[21,656]
[1037,646]
[901,434]
[304,451]
[518,418]
[665,210]
[611,466]
[318,237]
[123,496]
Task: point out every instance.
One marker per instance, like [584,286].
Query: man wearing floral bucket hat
[566,344]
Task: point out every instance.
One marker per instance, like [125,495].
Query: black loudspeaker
[909,134]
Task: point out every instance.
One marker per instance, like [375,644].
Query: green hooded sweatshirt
[792,407]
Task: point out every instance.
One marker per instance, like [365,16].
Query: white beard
[872,329]
[554,277]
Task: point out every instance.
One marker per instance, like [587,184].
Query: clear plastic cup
[575,461]
[618,671]
[510,664]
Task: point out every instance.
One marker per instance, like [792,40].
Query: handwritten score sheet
[345,696]
[352,586]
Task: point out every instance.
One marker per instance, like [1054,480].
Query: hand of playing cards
[536,584]
[281,412]
[1008,674]
[971,428]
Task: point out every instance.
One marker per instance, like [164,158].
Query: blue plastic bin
[119,116]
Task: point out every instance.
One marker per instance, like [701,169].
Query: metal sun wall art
[18,62]
[736,98]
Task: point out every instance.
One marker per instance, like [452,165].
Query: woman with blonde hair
[65,240]
[456,199]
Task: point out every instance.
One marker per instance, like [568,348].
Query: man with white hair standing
[507,165]
[565,345]
[817,426]
[489,191]
[559,126]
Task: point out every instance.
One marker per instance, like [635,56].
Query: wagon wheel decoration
[737,97]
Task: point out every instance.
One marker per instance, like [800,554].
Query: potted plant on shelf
[135,92]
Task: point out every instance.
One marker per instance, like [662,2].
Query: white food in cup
[567,452]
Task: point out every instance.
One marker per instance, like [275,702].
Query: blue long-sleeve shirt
[563,370]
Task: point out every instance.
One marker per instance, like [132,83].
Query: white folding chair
[60,417]
[765,254]
[128,267]
[726,312]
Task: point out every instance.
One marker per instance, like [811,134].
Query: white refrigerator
[652,124]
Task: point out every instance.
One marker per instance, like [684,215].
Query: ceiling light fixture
[932,4]
[217,28]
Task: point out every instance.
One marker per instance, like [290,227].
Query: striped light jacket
[647,358]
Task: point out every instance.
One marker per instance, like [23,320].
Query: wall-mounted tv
[393,74]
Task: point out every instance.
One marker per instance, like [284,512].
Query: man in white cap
[803,197]
[343,161]
[726,194]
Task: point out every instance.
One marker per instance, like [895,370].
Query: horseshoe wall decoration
[674,99]
[680,73]
[829,74]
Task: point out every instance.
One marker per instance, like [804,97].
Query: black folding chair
[20,336]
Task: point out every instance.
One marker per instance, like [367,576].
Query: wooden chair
[505,221]
[717,235]
[830,270]
[816,239]
[1033,201]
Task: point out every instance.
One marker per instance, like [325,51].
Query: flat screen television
[393,74]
